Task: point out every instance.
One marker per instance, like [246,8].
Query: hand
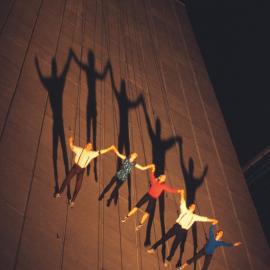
[71,138]
[179,140]
[180,190]
[237,244]
[153,167]
[214,221]
[112,147]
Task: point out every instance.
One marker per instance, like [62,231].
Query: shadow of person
[192,183]
[54,86]
[92,76]
[124,106]
[159,148]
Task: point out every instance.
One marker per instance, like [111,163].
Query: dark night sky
[234,43]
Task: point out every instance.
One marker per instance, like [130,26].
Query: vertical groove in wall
[76,116]
[20,74]
[7,17]
[38,144]
[219,159]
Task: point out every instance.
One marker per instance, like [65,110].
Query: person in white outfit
[83,157]
[185,220]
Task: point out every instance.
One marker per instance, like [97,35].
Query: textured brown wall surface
[151,46]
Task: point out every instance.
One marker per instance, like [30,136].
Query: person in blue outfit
[208,250]
[122,175]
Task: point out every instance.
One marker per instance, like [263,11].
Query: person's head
[162,178]
[133,156]
[91,58]
[89,147]
[192,207]
[54,66]
[219,234]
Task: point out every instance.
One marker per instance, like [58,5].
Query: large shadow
[92,76]
[54,85]
[124,105]
[159,148]
[192,183]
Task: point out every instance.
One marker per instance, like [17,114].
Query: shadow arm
[135,103]
[41,77]
[78,62]
[107,69]
[148,122]
[66,67]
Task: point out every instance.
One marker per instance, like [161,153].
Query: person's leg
[180,235]
[144,217]
[144,199]
[170,233]
[107,188]
[207,261]
[78,185]
[68,178]
[149,209]
[115,193]
[194,258]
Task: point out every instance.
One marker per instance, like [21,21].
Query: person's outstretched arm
[72,146]
[183,205]
[79,63]
[237,244]
[205,219]
[170,189]
[106,150]
[41,77]
[118,154]
[143,168]
[71,142]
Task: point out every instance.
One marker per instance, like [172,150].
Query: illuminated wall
[151,46]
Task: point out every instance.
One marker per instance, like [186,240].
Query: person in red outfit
[157,186]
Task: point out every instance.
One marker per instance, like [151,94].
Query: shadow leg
[55,147]
[107,188]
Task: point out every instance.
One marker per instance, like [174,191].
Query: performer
[83,157]
[185,220]
[208,250]
[122,174]
[157,186]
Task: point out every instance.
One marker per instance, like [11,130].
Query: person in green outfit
[122,175]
